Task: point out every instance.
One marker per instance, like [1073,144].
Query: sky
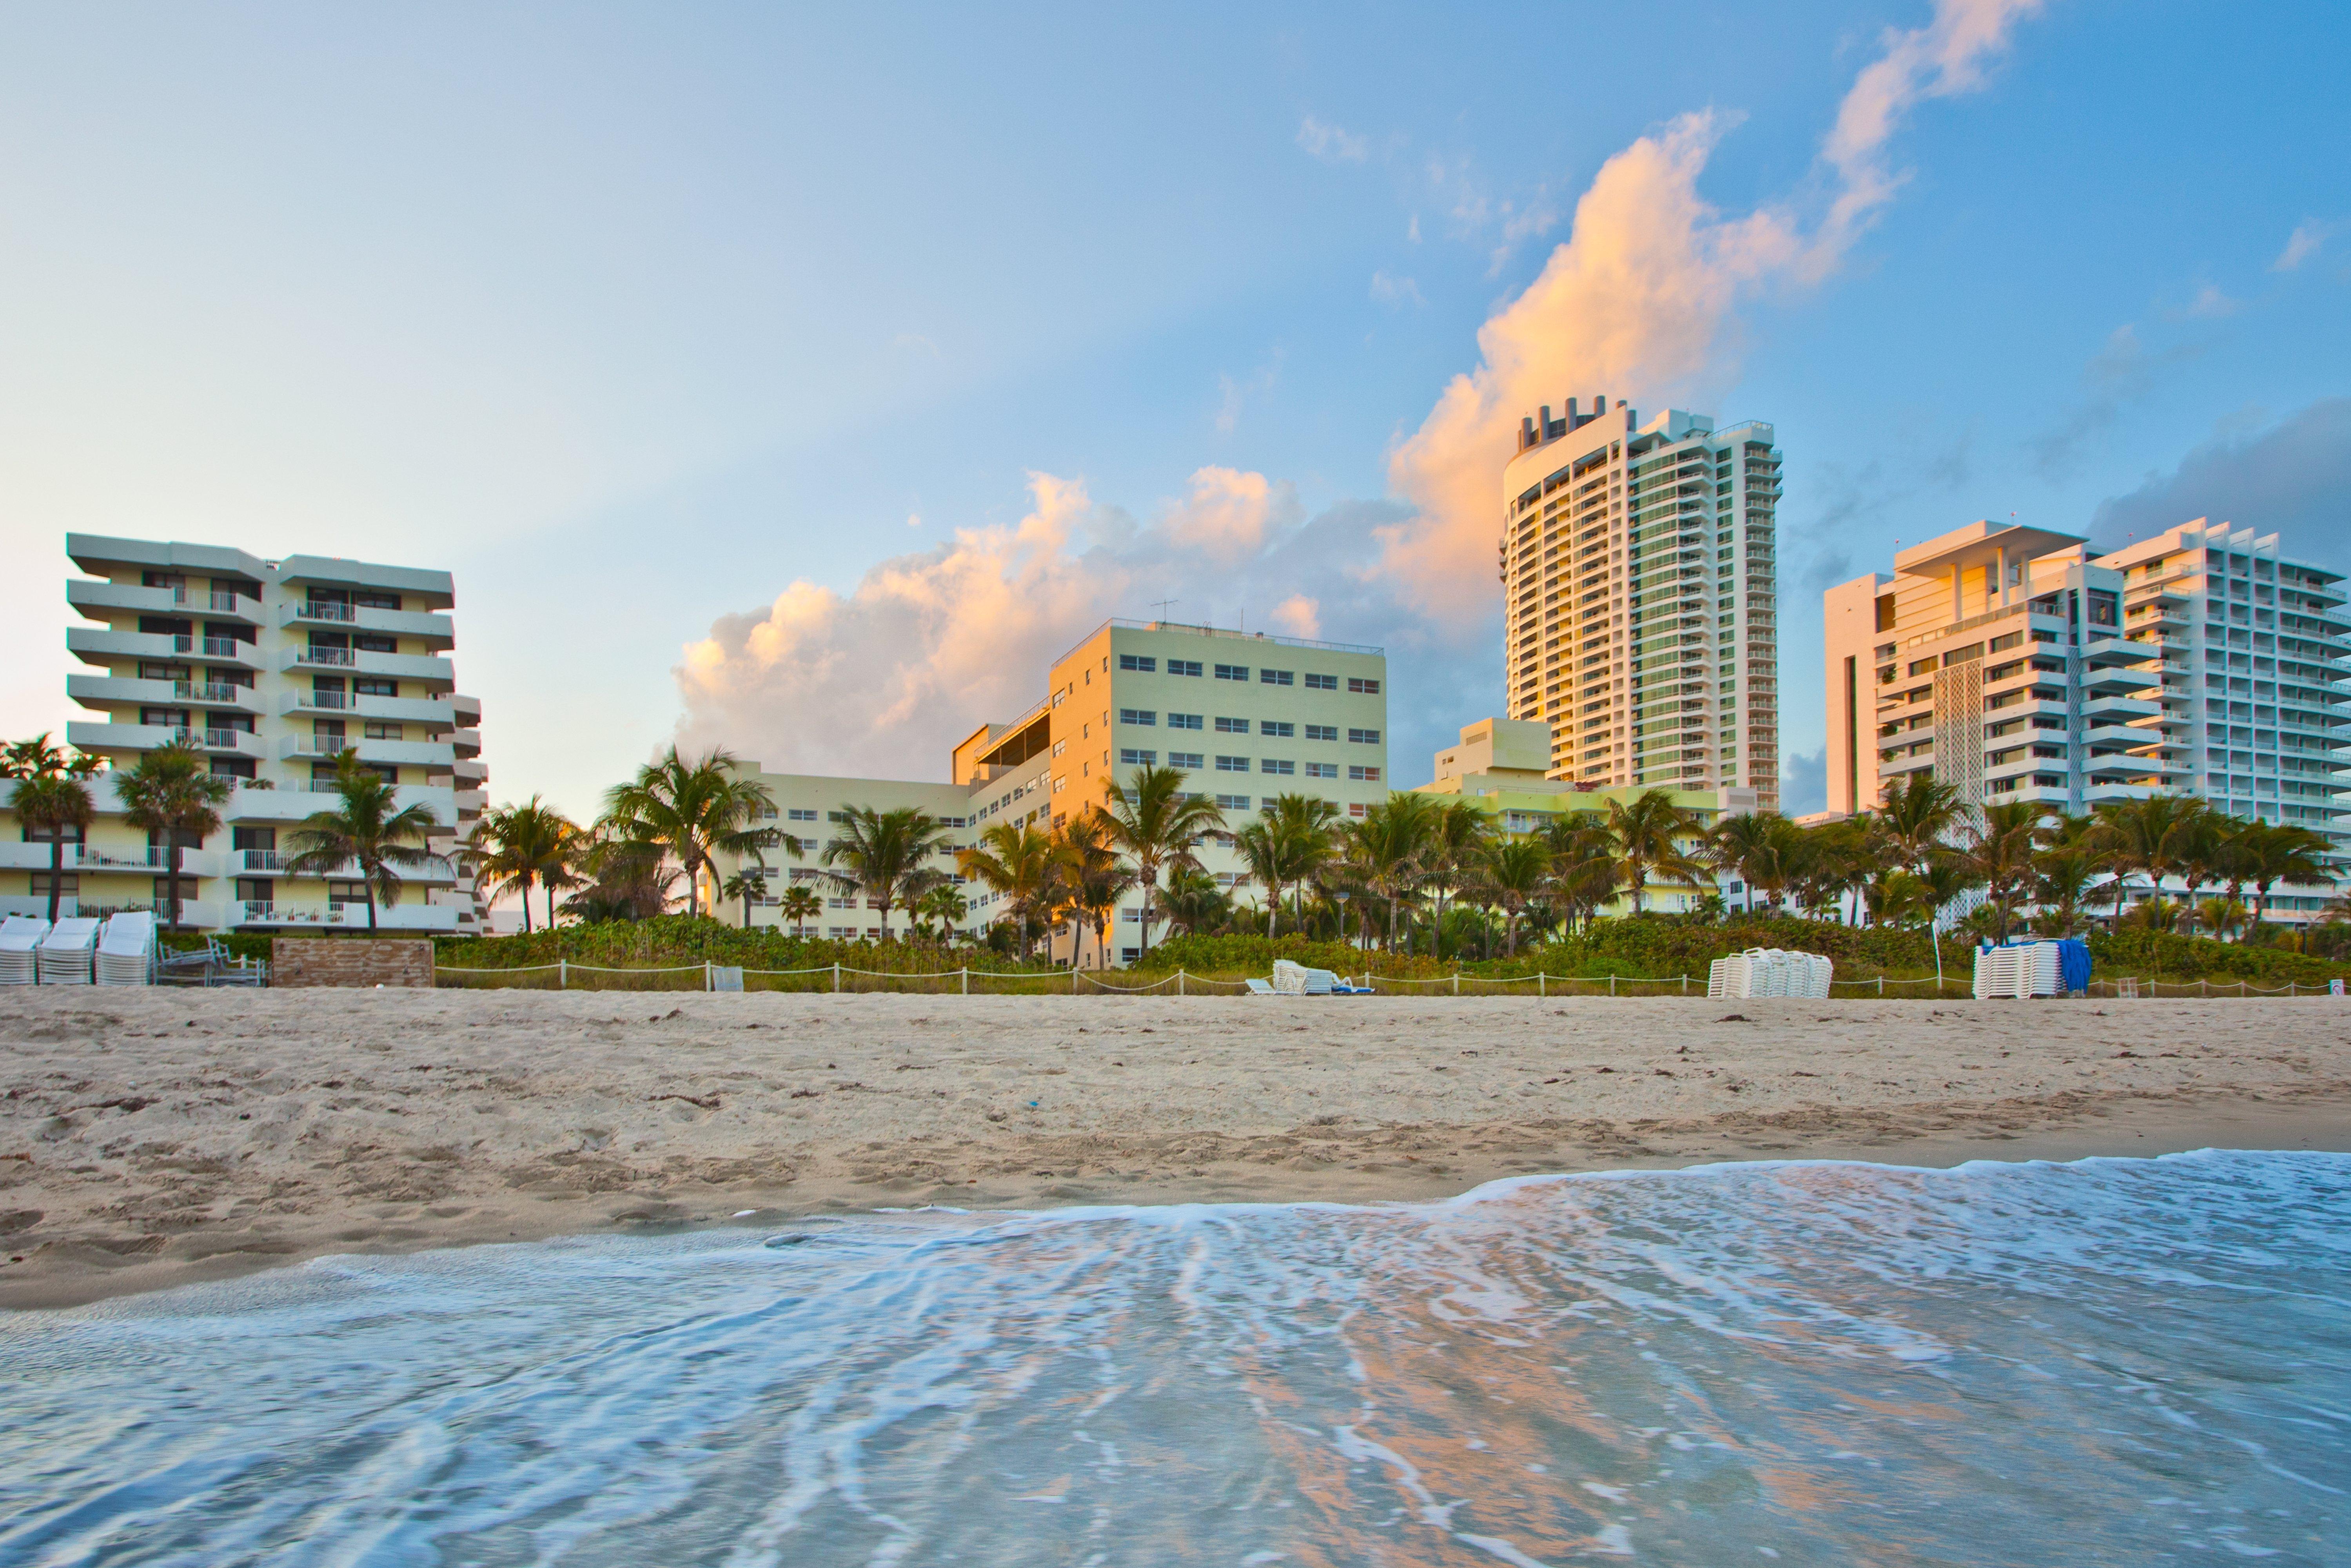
[802,382]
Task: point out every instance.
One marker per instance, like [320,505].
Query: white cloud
[1389,290]
[1299,616]
[2211,301]
[1329,143]
[2308,238]
[1638,300]
[883,678]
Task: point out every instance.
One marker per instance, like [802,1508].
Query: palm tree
[1195,902]
[946,905]
[1090,879]
[1159,827]
[1649,834]
[1915,815]
[623,879]
[1016,863]
[515,846]
[49,805]
[2220,916]
[1584,873]
[692,810]
[800,905]
[749,884]
[1386,846]
[2276,853]
[367,829]
[1764,849]
[2149,836]
[1512,871]
[1998,851]
[882,855]
[1458,836]
[1305,824]
[172,791]
[37,759]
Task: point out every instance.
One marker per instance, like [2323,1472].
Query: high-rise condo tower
[1639,600]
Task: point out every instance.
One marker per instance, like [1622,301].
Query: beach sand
[149,1138]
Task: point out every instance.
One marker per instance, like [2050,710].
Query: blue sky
[875,354]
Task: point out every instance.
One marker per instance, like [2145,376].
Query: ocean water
[2107,1362]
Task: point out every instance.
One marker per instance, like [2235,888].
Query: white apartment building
[1246,716]
[1640,603]
[270,668]
[2255,647]
[2006,661]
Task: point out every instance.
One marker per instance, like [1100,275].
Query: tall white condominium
[271,668]
[2254,644]
[1639,600]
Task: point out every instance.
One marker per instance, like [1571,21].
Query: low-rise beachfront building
[1503,767]
[1246,716]
[270,669]
[2012,662]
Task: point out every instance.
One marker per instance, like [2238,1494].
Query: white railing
[325,610]
[321,655]
[188,690]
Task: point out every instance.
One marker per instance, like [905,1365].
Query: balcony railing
[188,690]
[322,699]
[325,610]
[316,654]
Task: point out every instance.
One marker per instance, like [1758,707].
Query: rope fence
[564,975]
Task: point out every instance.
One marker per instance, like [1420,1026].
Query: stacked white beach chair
[20,935]
[2021,970]
[125,950]
[1769,972]
[65,954]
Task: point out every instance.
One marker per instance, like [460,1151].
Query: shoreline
[157,1139]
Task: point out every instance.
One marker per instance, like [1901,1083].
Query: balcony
[392,753]
[277,863]
[2116,679]
[100,601]
[148,736]
[284,807]
[420,917]
[437,629]
[104,646]
[100,691]
[466,742]
[466,709]
[348,661]
[410,710]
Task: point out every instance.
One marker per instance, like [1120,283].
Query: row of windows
[1140,756]
[1145,719]
[1147,663]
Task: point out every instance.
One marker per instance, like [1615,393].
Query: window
[1363,687]
[1184,721]
[1143,662]
[339,894]
[1059,746]
[385,731]
[1232,802]
[1277,677]
[1138,715]
[1184,667]
[1232,671]
[1186,759]
[1276,765]
[1280,726]
[367,600]
[844,816]
[149,670]
[1321,770]
[1355,808]
[1363,775]
[800,814]
[1232,725]
[69,884]
[1129,954]
[1232,764]
[1128,756]
[1364,736]
[368,643]
[1321,732]
[1322,683]
[362,687]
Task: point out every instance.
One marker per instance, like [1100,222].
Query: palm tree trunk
[526,905]
[171,874]
[58,870]
[369,883]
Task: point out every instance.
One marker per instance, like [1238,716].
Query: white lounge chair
[1259,987]
[125,950]
[19,936]
[65,954]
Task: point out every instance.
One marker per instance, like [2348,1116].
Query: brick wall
[325,961]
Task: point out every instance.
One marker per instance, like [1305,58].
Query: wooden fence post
[562,974]
[836,977]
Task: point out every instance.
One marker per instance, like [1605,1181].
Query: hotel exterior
[1502,766]
[2010,662]
[1246,717]
[1640,598]
[270,668]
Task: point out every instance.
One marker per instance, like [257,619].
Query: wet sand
[151,1138]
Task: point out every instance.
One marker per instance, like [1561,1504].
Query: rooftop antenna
[1163,603]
